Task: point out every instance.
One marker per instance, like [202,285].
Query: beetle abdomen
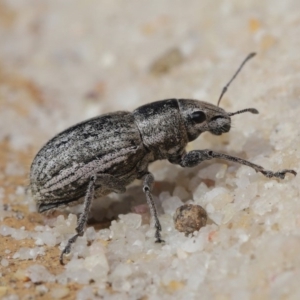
[108,144]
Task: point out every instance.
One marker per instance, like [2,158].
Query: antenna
[224,90]
[252,110]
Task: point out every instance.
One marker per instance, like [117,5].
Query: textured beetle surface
[106,153]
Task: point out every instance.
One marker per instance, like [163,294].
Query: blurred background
[64,61]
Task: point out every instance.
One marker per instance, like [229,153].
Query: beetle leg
[147,188]
[82,219]
[195,157]
[106,181]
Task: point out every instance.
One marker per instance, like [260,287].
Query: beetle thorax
[161,128]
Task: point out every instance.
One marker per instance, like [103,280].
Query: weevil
[106,153]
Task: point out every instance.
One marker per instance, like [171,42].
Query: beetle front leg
[147,188]
[195,157]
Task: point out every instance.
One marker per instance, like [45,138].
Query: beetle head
[200,116]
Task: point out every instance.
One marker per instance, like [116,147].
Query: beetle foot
[67,249]
[159,241]
[279,174]
[157,234]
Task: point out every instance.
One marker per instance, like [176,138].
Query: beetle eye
[198,116]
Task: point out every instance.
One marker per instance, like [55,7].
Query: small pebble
[189,218]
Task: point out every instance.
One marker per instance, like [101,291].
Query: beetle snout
[219,125]
[226,127]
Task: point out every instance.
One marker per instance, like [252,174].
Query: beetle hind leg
[82,219]
[106,182]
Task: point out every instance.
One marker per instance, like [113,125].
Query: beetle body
[106,153]
[121,144]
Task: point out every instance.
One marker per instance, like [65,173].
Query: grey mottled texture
[106,153]
[109,144]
